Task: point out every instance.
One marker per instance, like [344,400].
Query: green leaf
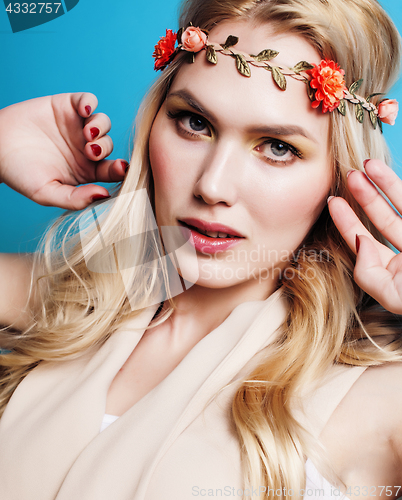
[302,66]
[342,107]
[373,95]
[373,119]
[359,112]
[266,55]
[211,55]
[310,92]
[355,86]
[179,33]
[242,65]
[230,41]
[380,125]
[279,78]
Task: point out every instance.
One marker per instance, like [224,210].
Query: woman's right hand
[47,150]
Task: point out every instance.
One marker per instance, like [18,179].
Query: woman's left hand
[378,269]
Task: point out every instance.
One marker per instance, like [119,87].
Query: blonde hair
[330,319]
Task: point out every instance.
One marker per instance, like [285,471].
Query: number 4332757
[33,8]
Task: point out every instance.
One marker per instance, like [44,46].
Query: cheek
[168,160]
[293,200]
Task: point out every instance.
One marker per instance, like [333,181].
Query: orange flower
[327,79]
[164,49]
[193,39]
[388,111]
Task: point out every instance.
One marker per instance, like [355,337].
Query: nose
[219,178]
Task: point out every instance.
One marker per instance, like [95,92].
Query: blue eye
[196,123]
[279,148]
[190,124]
[273,149]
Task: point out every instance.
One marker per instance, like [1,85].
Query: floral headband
[325,82]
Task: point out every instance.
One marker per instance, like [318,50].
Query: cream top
[176,440]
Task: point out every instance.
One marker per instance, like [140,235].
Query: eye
[275,151]
[190,123]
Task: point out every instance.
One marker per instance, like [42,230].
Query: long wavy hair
[330,319]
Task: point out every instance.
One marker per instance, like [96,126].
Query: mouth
[210,237]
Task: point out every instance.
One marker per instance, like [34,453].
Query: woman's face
[241,156]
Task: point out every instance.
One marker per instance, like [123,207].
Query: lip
[211,226]
[207,244]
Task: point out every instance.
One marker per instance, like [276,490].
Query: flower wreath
[325,82]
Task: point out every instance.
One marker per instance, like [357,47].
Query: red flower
[327,79]
[164,50]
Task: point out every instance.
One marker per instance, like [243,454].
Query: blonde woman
[277,372]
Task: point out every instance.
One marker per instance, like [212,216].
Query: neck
[200,310]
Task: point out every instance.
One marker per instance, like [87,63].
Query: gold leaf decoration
[230,41]
[279,77]
[302,66]
[242,65]
[373,119]
[355,86]
[179,33]
[310,92]
[342,107]
[380,124]
[211,55]
[266,55]
[359,112]
[373,95]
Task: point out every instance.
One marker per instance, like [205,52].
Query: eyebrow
[280,130]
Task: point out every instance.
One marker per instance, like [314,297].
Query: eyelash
[185,114]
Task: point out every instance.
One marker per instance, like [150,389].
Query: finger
[99,149]
[374,278]
[97,126]
[69,197]
[349,225]
[380,212]
[84,103]
[111,170]
[387,180]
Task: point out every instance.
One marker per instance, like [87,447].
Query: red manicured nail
[357,243]
[125,165]
[365,162]
[88,109]
[94,132]
[96,149]
[95,197]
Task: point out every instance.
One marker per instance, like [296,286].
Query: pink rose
[193,39]
[388,111]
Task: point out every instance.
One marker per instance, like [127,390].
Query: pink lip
[207,244]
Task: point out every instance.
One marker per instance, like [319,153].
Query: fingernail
[330,198]
[348,173]
[96,197]
[357,243]
[88,109]
[94,132]
[125,165]
[365,162]
[96,149]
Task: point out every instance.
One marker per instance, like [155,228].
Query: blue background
[102,47]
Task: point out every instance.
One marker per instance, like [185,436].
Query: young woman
[277,373]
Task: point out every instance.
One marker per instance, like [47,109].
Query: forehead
[240,101]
